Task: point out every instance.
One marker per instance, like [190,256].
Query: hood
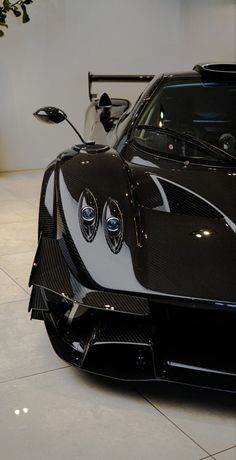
[179,227]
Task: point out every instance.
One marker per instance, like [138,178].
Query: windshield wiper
[191,139]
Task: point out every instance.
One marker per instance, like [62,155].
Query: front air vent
[182,201]
[88,215]
[113,225]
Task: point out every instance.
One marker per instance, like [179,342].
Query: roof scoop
[216,71]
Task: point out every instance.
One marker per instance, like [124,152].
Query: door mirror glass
[50,115]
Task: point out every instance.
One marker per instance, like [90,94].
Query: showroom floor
[50,410]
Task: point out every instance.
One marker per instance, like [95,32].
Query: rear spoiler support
[114,78]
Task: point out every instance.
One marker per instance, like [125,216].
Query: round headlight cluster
[113,225]
[112,220]
[88,215]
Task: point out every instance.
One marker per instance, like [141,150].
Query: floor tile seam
[9,276]
[12,301]
[174,424]
[207,458]
[224,450]
[33,375]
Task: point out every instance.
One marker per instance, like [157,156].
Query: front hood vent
[182,201]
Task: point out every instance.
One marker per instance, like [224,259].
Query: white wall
[45,62]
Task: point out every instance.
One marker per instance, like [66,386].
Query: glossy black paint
[50,115]
[148,300]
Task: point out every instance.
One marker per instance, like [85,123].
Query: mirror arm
[77,132]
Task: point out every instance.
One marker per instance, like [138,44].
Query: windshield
[203,110]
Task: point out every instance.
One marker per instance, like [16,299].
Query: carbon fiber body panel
[119,332]
[126,336]
[145,289]
[49,269]
[52,272]
[118,302]
[37,300]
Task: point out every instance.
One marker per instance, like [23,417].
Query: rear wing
[114,78]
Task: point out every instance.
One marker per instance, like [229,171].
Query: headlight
[113,225]
[88,215]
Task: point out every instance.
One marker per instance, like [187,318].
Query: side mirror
[50,115]
[54,115]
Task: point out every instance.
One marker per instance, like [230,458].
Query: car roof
[207,72]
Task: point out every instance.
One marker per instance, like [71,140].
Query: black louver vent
[184,202]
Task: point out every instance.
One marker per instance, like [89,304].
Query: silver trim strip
[196,368]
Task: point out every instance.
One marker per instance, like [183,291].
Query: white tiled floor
[49,410]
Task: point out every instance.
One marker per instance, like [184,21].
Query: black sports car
[134,274]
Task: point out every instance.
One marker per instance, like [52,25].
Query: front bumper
[131,337]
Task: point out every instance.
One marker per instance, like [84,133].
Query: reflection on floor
[50,410]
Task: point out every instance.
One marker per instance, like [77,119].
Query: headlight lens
[113,225]
[88,215]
